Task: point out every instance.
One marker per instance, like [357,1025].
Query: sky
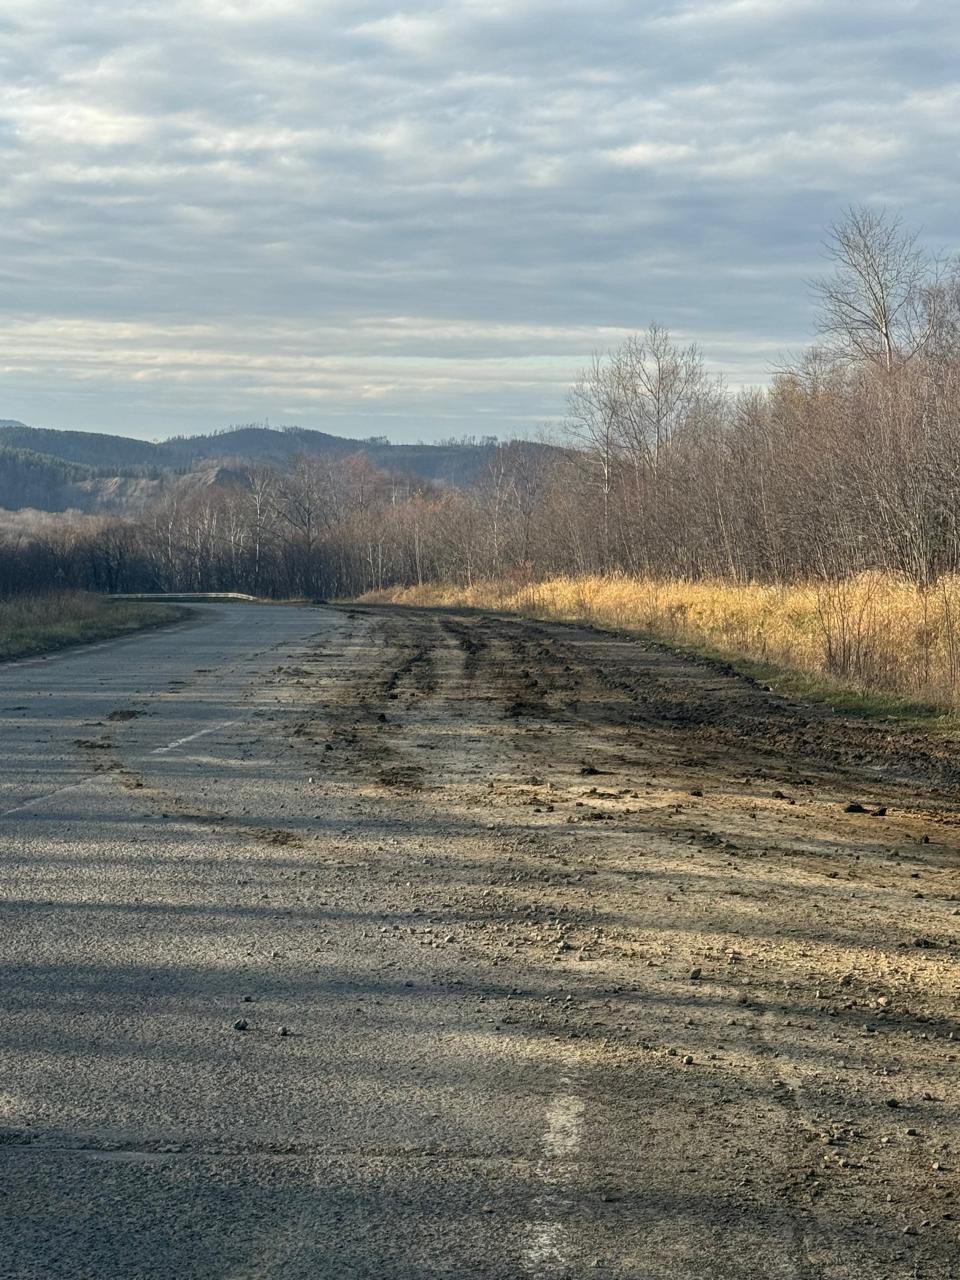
[421,221]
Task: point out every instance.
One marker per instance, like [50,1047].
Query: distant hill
[87,448]
[29,479]
[88,471]
[40,482]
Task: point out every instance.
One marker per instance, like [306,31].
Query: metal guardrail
[187,597]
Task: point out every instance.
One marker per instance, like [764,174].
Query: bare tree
[658,384]
[592,423]
[872,305]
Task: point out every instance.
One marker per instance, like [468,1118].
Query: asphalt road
[359,943]
[391,1133]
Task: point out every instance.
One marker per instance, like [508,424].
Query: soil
[739,915]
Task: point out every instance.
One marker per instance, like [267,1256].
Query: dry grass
[41,623]
[874,635]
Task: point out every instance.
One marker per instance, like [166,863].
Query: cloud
[647,155]
[418,33]
[433,213]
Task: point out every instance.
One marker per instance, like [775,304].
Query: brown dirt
[758,989]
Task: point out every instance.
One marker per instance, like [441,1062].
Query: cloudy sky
[420,221]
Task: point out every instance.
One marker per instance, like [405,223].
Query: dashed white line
[192,737]
[547,1249]
[46,795]
[73,786]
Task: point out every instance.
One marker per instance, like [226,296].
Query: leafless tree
[872,305]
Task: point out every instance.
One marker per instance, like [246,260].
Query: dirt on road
[738,917]
[425,944]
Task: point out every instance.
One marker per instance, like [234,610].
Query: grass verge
[34,625]
[874,645]
[870,704]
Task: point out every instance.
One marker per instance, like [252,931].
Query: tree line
[849,460]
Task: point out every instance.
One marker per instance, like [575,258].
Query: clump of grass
[38,624]
[875,642]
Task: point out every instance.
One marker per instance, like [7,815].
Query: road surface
[359,943]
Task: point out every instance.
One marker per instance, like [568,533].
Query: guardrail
[187,597]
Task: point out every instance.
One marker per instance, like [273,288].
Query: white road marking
[564,1125]
[72,786]
[28,804]
[548,1246]
[192,737]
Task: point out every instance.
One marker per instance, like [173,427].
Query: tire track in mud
[408,676]
[543,680]
[650,762]
[501,664]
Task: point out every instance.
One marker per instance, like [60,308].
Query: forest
[848,463]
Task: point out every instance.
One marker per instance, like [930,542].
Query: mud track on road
[754,989]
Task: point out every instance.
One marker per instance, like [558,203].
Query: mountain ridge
[59,470]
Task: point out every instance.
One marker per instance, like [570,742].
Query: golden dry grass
[876,633]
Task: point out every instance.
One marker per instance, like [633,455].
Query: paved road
[582,965]
[155,890]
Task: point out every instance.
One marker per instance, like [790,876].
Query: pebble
[241,1024]
[282,1031]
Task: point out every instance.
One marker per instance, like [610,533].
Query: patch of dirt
[664,863]
[401,776]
